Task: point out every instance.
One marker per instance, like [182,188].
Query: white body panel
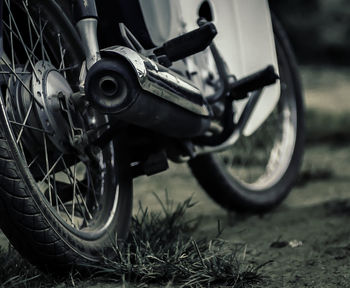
[245,40]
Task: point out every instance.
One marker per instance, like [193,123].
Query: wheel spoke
[31,50]
[69,176]
[91,183]
[25,121]
[38,34]
[11,40]
[31,128]
[74,189]
[78,189]
[17,77]
[10,73]
[41,39]
[47,175]
[29,26]
[20,38]
[60,202]
[47,166]
[33,161]
[65,210]
[56,194]
[62,66]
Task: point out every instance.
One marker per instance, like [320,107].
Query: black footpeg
[187,44]
[241,88]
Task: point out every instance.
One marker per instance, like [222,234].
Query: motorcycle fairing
[245,40]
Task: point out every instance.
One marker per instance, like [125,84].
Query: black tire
[91,212]
[235,194]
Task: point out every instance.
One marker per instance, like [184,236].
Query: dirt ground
[316,214]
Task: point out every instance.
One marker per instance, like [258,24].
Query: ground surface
[316,213]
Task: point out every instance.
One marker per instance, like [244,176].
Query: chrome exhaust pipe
[137,90]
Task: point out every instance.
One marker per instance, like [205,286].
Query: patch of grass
[161,250]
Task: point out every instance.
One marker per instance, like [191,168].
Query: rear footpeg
[140,91]
[187,44]
[253,82]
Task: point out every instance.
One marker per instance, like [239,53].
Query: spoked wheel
[259,171]
[63,201]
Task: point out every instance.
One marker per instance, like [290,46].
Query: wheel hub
[52,92]
[55,114]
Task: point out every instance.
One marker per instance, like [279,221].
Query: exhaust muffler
[139,91]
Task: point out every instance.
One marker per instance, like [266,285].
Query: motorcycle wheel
[258,172]
[63,202]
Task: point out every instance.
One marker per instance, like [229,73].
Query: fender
[245,40]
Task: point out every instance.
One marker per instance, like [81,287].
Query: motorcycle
[96,94]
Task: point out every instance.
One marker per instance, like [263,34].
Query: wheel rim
[76,181]
[258,162]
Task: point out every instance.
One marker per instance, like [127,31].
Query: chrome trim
[152,77]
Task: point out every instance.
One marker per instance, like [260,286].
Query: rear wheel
[63,201]
[257,172]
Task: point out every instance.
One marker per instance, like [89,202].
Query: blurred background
[319,29]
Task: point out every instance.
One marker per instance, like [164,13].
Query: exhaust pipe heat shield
[139,91]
